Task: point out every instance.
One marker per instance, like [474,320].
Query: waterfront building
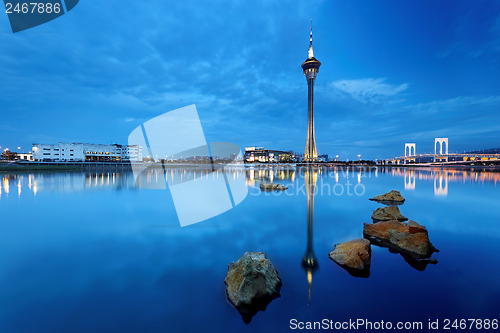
[86,152]
[131,153]
[262,155]
[310,68]
[323,158]
[25,156]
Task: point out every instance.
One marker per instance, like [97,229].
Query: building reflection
[442,177]
[31,184]
[34,183]
[269,174]
[441,183]
[409,179]
[310,262]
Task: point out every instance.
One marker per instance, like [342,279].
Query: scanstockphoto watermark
[326,182]
[355,325]
[202,193]
[322,188]
[366,325]
[178,135]
[26,14]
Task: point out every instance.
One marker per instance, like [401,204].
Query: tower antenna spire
[311,36]
[311,51]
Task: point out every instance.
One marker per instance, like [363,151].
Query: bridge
[441,156]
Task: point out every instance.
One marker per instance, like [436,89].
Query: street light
[359,157]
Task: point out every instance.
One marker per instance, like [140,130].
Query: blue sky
[392,72]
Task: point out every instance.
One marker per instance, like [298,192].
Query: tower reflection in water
[310,262]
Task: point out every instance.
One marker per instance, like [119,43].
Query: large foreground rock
[272,187]
[252,283]
[390,198]
[390,213]
[410,238]
[354,256]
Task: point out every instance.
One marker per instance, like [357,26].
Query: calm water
[94,253]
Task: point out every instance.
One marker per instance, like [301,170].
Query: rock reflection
[417,262]
[410,239]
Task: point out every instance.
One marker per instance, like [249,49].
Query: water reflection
[409,179]
[410,176]
[127,266]
[441,177]
[33,183]
[441,184]
[310,262]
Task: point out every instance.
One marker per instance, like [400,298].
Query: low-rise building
[323,158]
[86,152]
[262,155]
[25,156]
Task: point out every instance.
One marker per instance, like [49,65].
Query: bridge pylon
[441,143]
[410,152]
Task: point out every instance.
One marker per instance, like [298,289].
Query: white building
[86,152]
[25,157]
[132,153]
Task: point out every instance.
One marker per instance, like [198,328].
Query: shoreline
[128,167]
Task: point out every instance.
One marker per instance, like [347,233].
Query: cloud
[370,90]
[462,103]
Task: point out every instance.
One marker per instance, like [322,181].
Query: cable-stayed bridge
[441,156]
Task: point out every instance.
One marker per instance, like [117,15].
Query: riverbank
[17,166]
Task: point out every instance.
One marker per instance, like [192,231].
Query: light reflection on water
[107,256]
[32,183]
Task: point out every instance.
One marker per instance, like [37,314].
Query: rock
[272,187]
[252,283]
[389,213]
[354,256]
[410,238]
[391,198]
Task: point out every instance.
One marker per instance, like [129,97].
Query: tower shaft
[311,154]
